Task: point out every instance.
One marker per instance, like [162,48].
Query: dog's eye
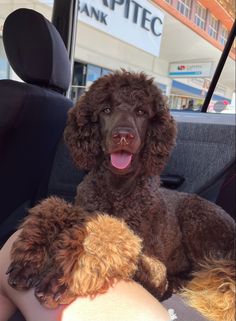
[140,112]
[107,110]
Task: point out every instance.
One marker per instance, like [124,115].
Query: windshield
[178,42]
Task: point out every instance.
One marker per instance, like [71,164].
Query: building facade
[149,36]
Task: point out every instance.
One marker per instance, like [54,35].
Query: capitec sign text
[142,19]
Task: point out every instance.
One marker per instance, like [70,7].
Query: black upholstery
[226,197]
[35,50]
[32,114]
[65,176]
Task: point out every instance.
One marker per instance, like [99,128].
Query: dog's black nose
[123,136]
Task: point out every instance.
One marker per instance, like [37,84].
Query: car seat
[226,197]
[32,113]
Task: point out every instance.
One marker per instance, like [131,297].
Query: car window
[223,99]
[177,42]
[4,66]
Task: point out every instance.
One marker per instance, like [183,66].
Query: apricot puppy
[64,251]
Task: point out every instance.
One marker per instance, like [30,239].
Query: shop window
[93,73]
[79,74]
[106,71]
[200,16]
[223,35]
[4,65]
[78,81]
[185,102]
[184,7]
[83,76]
[213,26]
[162,87]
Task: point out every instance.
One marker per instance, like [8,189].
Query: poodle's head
[122,123]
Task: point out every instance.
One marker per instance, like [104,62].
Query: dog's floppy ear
[82,135]
[160,137]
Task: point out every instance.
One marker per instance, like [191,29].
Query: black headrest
[35,50]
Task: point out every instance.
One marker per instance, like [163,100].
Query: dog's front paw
[50,292]
[22,276]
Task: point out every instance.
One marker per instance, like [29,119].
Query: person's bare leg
[124,301]
[7,308]
[25,301]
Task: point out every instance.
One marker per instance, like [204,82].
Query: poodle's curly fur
[83,134]
[122,132]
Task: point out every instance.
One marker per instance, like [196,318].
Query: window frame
[184,7]
[213,26]
[200,16]
[223,35]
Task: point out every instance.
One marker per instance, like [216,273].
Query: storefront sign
[185,70]
[138,23]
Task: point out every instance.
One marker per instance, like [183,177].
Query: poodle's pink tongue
[121,160]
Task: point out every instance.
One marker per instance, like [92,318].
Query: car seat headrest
[35,50]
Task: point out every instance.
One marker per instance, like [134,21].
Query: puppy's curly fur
[122,132]
[64,252]
[212,290]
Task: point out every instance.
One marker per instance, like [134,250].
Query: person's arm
[7,307]
[127,301]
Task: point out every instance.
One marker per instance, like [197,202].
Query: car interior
[34,161]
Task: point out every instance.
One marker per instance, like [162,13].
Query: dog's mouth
[121,160]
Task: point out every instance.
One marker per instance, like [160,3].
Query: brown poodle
[122,132]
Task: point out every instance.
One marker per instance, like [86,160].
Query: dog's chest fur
[148,215]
